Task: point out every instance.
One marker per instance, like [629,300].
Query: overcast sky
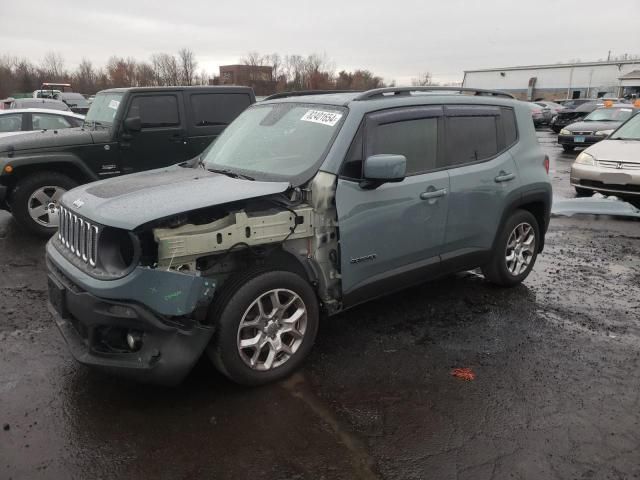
[398,39]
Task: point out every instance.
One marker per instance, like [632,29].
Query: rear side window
[417,140]
[217,108]
[11,122]
[509,126]
[43,121]
[471,138]
[155,110]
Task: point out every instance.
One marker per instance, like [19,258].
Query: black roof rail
[392,91]
[302,93]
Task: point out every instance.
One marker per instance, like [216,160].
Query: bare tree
[84,79]
[166,69]
[423,80]
[188,65]
[53,66]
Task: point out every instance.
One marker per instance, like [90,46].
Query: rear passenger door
[391,236]
[209,114]
[162,141]
[483,178]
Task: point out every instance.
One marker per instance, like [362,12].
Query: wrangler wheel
[35,201]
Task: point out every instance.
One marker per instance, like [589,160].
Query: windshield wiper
[229,173]
[624,138]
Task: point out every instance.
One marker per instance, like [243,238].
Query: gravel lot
[556,393]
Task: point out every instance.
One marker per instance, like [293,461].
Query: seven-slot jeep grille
[79,236]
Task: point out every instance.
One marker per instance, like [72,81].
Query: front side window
[217,108]
[279,141]
[11,123]
[471,139]
[155,110]
[43,121]
[417,140]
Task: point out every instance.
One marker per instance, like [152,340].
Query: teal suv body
[305,206]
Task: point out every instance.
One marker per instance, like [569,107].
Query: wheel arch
[62,163]
[536,201]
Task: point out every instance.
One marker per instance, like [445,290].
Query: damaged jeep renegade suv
[304,206]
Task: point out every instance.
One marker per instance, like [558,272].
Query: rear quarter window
[509,126]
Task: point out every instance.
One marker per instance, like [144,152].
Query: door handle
[505,177]
[177,138]
[430,194]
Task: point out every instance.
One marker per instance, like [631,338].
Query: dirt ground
[556,393]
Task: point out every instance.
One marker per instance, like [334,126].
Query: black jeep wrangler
[126,130]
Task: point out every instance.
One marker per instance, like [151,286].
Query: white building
[571,80]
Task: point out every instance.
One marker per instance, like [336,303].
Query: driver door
[162,140]
[391,236]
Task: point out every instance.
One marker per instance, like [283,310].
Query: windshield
[275,141]
[628,131]
[609,115]
[103,108]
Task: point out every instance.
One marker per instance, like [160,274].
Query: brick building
[260,78]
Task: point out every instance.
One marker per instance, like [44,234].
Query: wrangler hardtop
[304,206]
[126,130]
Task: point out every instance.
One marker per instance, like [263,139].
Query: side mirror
[133,124]
[379,169]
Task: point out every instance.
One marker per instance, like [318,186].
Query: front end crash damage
[154,322]
[300,227]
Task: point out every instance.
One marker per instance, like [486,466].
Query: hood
[133,200]
[616,150]
[592,126]
[46,139]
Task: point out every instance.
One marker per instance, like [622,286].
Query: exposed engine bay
[297,226]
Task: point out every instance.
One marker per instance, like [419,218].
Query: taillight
[546,163]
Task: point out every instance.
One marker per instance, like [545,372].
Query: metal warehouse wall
[553,81]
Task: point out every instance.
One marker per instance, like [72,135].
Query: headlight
[118,251]
[604,133]
[585,159]
[564,131]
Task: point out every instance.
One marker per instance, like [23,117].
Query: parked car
[611,166]
[303,205]
[596,126]
[50,90]
[126,130]
[539,114]
[45,103]
[75,101]
[553,109]
[18,121]
[572,114]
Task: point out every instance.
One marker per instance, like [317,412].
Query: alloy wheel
[43,205]
[272,329]
[520,249]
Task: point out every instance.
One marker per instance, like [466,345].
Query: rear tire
[568,148]
[35,201]
[515,251]
[583,192]
[266,323]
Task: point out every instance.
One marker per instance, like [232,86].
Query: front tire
[583,192]
[515,251]
[35,201]
[266,323]
[568,148]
